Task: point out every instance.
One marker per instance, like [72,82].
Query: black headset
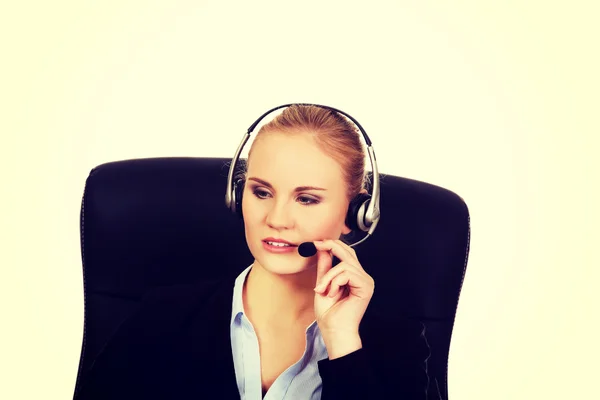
[363,211]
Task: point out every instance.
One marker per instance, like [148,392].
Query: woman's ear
[346,229]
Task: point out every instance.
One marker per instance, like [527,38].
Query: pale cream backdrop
[496,101]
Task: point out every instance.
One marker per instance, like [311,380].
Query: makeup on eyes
[298,189]
[307,200]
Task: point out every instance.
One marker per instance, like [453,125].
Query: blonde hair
[333,133]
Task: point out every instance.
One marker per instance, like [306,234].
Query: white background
[496,101]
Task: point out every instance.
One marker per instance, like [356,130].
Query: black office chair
[152,222]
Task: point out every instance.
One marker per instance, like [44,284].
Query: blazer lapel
[203,347]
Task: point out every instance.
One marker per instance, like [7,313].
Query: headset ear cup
[238,188]
[354,209]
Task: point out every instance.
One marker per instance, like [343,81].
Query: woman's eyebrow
[298,189]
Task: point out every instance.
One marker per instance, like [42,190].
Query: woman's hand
[342,292]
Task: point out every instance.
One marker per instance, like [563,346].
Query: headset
[363,211]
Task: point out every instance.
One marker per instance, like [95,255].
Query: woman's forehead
[293,160]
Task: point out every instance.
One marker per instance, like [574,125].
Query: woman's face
[273,207]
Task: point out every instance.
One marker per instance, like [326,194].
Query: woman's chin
[285,267]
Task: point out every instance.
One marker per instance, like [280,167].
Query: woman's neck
[278,301]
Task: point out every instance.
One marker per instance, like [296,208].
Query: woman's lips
[278,249]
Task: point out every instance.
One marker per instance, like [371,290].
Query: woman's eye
[261,194]
[308,200]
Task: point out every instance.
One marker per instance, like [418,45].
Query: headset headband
[372,214]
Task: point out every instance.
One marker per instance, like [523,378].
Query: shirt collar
[237,308]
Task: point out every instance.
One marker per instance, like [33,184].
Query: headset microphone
[307,249]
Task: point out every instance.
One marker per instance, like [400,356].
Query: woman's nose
[279,216]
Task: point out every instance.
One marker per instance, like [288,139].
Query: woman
[287,327]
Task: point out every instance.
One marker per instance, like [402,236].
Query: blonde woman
[288,326]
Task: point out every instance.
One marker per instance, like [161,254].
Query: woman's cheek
[323,227]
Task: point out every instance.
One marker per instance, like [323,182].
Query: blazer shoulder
[163,309]
[174,302]
[141,347]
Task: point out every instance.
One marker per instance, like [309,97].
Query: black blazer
[177,345]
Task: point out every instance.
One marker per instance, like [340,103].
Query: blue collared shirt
[299,381]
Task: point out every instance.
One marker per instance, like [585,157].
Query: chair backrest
[151,222]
